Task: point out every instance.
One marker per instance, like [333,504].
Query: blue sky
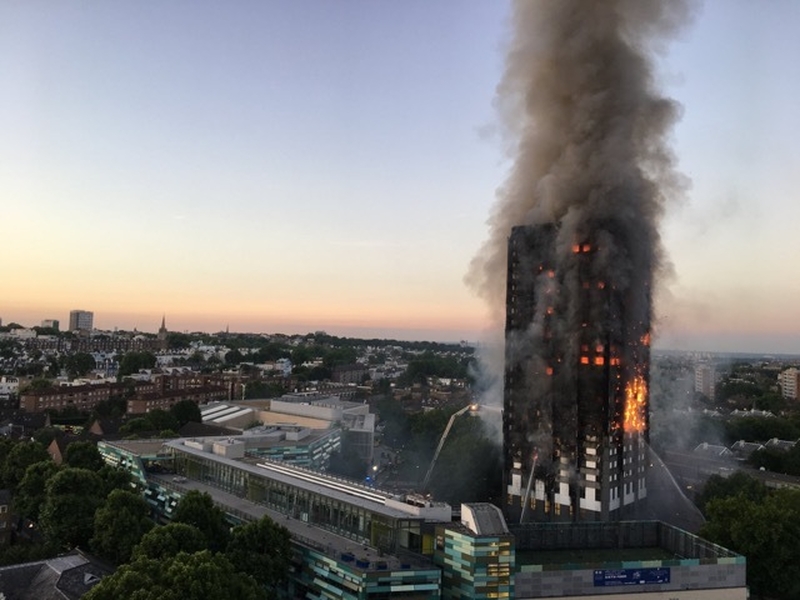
[292,166]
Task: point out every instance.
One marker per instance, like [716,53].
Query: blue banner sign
[607,577]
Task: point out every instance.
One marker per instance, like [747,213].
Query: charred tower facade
[575,418]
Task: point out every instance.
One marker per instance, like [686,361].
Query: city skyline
[290,168]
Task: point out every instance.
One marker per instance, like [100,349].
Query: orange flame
[635,405]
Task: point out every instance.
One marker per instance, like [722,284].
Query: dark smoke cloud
[587,129]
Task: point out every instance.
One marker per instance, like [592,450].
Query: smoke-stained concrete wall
[587,130]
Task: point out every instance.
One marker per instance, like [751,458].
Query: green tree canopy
[261,549]
[233,357]
[19,458]
[114,479]
[119,525]
[178,341]
[198,509]
[39,383]
[197,576]
[433,365]
[136,425]
[186,411]
[167,541]
[161,419]
[116,406]
[778,461]
[764,531]
[760,429]
[46,435]
[71,498]
[268,353]
[133,361]
[31,491]
[740,483]
[84,455]
[78,364]
[339,356]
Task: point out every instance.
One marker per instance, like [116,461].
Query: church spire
[162,331]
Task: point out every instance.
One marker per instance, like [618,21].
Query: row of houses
[142,396]
[742,449]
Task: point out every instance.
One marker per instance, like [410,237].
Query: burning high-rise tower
[575,416]
[574,249]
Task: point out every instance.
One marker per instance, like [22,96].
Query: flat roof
[222,418]
[143,448]
[597,557]
[295,477]
[322,540]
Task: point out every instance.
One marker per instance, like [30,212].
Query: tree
[197,576]
[84,455]
[778,461]
[432,365]
[113,407]
[233,357]
[760,429]
[119,525]
[301,354]
[133,361]
[261,549]
[766,532]
[114,479]
[46,435]
[198,509]
[31,490]
[319,374]
[161,419]
[178,341]
[738,484]
[19,458]
[6,444]
[71,498]
[167,541]
[339,356]
[186,411]
[78,364]
[40,383]
[137,425]
[261,389]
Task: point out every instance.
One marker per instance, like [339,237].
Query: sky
[291,166]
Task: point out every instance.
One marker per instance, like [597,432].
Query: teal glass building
[476,555]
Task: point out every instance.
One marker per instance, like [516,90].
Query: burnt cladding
[575,418]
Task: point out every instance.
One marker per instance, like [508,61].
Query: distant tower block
[575,419]
[705,380]
[81,320]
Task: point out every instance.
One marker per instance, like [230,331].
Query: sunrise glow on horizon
[284,168]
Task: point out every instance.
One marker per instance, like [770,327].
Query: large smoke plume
[587,129]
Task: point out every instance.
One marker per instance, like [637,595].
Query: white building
[788,381]
[705,380]
[8,386]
